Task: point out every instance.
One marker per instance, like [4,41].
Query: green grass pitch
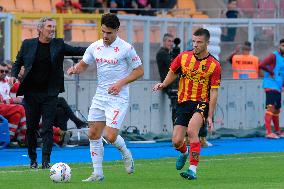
[243,171]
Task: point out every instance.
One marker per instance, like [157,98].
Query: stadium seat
[155,34]
[91,34]
[188,6]
[26,33]
[281,8]
[77,35]
[200,16]
[25,5]
[42,5]
[9,5]
[122,32]
[247,7]
[266,9]
[138,36]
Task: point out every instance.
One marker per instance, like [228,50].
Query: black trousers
[64,113]
[39,105]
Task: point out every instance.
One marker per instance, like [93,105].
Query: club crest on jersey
[116,49]
[203,67]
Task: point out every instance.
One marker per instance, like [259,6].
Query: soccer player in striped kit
[200,75]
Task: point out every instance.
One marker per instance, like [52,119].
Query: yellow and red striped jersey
[197,76]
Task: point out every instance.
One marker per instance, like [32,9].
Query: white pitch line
[120,164]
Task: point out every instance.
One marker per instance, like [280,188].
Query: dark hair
[247,46]
[281,41]
[202,32]
[3,64]
[110,20]
[1,8]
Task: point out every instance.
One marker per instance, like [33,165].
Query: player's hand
[18,100]
[158,86]
[210,124]
[12,80]
[71,70]
[115,88]
[21,73]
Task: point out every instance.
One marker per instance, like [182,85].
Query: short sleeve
[88,56]
[176,64]
[132,58]
[216,77]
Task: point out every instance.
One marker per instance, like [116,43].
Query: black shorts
[273,98]
[186,109]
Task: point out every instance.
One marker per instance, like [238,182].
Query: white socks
[193,168]
[120,145]
[97,154]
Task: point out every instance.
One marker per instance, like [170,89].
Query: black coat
[58,49]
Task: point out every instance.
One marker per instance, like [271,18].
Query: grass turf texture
[261,170]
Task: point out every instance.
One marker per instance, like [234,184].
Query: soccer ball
[60,172]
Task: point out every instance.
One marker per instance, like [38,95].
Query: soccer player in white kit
[113,57]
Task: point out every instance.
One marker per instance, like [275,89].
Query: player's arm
[212,105]
[171,77]
[18,63]
[134,75]
[214,85]
[77,68]
[268,64]
[172,74]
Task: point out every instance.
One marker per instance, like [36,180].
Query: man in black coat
[164,58]
[41,83]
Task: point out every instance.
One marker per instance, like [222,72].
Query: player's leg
[114,118]
[202,136]
[271,112]
[196,122]
[179,132]
[276,113]
[97,124]
[180,145]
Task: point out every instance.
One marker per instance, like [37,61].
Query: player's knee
[93,135]
[272,109]
[192,133]
[110,137]
[177,142]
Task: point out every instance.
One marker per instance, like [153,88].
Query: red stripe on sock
[182,149]
[194,153]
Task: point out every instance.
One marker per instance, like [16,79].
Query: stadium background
[241,103]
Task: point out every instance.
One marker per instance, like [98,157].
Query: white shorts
[110,111]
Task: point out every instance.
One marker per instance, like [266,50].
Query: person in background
[232,12]
[64,113]
[245,65]
[41,83]
[273,66]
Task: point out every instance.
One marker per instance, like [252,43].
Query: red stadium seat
[247,7]
[42,5]
[9,5]
[266,9]
[25,5]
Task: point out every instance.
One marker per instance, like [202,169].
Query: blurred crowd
[137,7]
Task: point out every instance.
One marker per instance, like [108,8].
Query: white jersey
[5,89]
[114,63]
